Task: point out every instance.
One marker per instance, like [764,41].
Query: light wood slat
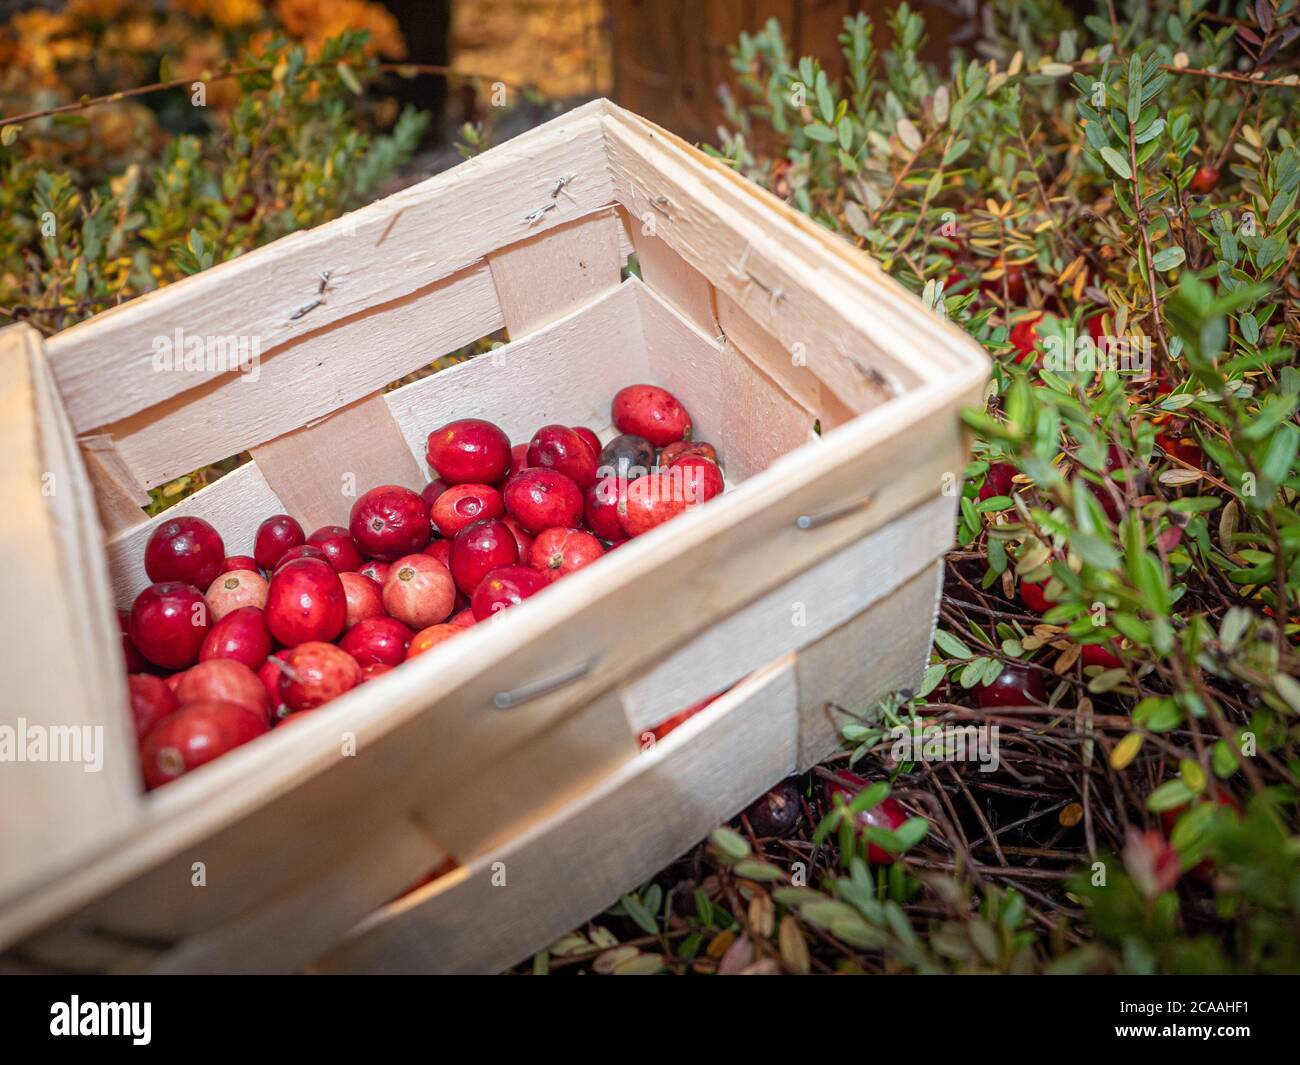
[380,253]
[118,498]
[56,629]
[796,615]
[883,649]
[319,471]
[548,276]
[677,283]
[308,379]
[569,866]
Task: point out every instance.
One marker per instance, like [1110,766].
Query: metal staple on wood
[533,217]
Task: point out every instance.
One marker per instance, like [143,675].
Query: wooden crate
[813,582]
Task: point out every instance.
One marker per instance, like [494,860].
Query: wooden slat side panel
[118,498]
[319,471]
[565,372]
[69,777]
[744,336]
[798,614]
[568,867]
[235,505]
[307,379]
[674,280]
[747,415]
[846,672]
[378,254]
[546,277]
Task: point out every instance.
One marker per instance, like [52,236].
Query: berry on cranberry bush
[776,812]
[313,673]
[151,701]
[305,602]
[169,622]
[363,598]
[505,587]
[1205,180]
[469,451]
[998,480]
[559,448]
[1098,654]
[543,499]
[223,680]
[559,552]
[274,537]
[887,814]
[419,591]
[193,736]
[601,509]
[1034,597]
[338,547]
[426,639]
[184,549]
[233,590]
[650,501]
[301,551]
[379,639]
[651,412]
[1014,686]
[389,522]
[463,505]
[241,635]
[238,562]
[1024,337]
[478,549]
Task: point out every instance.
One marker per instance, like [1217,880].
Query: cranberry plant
[1109,207]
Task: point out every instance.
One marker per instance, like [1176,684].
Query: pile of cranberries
[222,648]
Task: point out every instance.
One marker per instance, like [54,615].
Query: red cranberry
[627,457]
[301,551]
[368,672]
[469,451]
[168,624]
[701,478]
[1034,597]
[235,589]
[429,638]
[340,550]
[651,412]
[274,537]
[558,552]
[464,619]
[1016,288]
[223,680]
[237,562]
[1182,447]
[313,673]
[518,459]
[650,501]
[601,509]
[1098,654]
[431,491]
[524,541]
[363,598]
[188,550]
[375,570]
[241,635]
[465,504]
[677,450]
[380,639]
[305,602]
[151,701]
[1205,180]
[559,448]
[542,499]
[135,661]
[887,814]
[1014,686]
[269,675]
[998,480]
[389,522]
[668,724]
[441,550]
[1024,337]
[777,812]
[419,591]
[478,548]
[506,587]
[193,736]
[589,437]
